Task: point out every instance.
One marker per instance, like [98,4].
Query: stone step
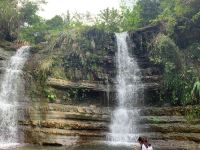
[37,115]
[174,145]
[66,124]
[153,114]
[164,111]
[164,119]
[168,128]
[66,84]
[47,107]
[194,137]
[49,136]
[148,114]
[103,126]
[153,78]
[53,131]
[175,127]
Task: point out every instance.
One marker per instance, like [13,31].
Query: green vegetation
[176,47]
[9,19]
[192,114]
[13,17]
[50,95]
[196,90]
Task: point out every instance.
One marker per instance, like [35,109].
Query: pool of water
[82,147]
[160,145]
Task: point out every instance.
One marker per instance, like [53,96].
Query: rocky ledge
[56,124]
[65,84]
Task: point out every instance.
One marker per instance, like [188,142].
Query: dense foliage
[176,48]
[15,14]
[9,19]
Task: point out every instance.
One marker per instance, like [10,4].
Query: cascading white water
[129,88]
[10,93]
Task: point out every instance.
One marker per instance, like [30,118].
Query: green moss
[155,120]
[36,48]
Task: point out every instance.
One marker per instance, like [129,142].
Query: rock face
[169,128]
[85,63]
[56,124]
[64,84]
[82,65]
[76,63]
[6,51]
[151,73]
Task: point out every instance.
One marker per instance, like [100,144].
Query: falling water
[129,88]
[10,93]
[108,92]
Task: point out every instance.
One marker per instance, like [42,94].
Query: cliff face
[151,74]
[56,124]
[80,66]
[7,49]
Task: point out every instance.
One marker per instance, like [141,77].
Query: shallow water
[82,147]
[159,145]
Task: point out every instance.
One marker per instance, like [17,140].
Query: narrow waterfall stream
[129,88]
[10,93]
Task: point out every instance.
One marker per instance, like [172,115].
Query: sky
[59,7]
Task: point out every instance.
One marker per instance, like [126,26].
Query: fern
[196,90]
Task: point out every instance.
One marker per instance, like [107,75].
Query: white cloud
[58,7]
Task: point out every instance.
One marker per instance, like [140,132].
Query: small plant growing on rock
[51,97]
[196,90]
[50,94]
[193,114]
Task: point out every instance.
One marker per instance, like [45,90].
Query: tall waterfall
[129,88]
[10,93]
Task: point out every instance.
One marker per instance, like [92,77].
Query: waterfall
[129,89]
[11,92]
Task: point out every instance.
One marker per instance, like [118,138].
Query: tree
[67,19]
[77,19]
[109,19]
[149,10]
[13,16]
[55,22]
[35,33]
[9,19]
[28,12]
[33,28]
[130,17]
